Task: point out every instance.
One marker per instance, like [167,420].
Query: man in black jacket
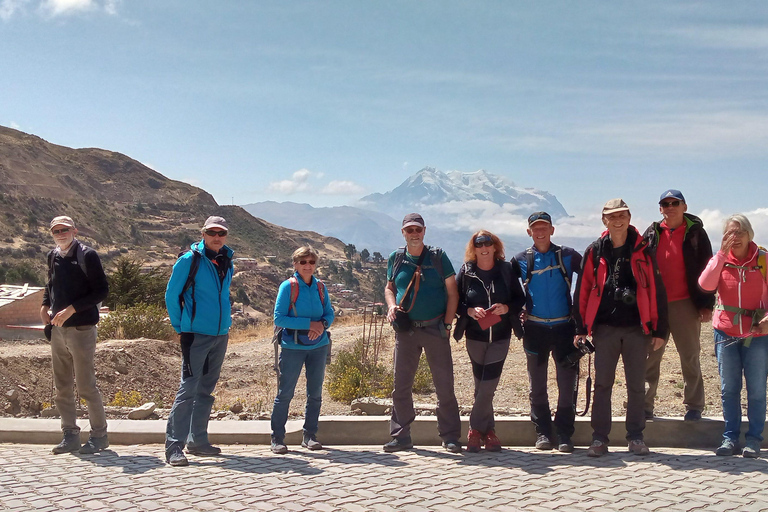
[682,251]
[76,285]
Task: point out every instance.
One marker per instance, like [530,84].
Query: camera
[583,347]
[625,295]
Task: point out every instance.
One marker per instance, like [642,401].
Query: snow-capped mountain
[430,187]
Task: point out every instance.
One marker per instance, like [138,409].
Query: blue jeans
[188,421]
[733,359]
[291,362]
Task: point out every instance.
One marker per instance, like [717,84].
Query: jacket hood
[751,255]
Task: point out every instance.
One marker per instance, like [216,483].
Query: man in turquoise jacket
[197,299]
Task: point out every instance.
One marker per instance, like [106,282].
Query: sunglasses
[304,262]
[411,230]
[667,204]
[211,232]
[60,231]
[489,243]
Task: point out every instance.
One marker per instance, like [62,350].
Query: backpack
[80,261]
[190,282]
[435,257]
[529,255]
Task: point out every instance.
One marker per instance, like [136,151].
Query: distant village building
[20,312]
[245,264]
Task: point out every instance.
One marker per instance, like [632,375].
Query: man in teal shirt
[430,306]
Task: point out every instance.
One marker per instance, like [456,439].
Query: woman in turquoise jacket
[303,311]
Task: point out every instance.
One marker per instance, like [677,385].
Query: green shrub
[349,377]
[422,382]
[129,399]
[141,321]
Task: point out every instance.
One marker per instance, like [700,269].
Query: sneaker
[474,440]
[204,450]
[597,449]
[398,443]
[70,444]
[311,443]
[543,443]
[492,443]
[727,448]
[692,415]
[752,449]
[648,415]
[278,446]
[176,457]
[452,446]
[564,444]
[638,447]
[95,444]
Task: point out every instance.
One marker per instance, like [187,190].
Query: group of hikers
[632,291]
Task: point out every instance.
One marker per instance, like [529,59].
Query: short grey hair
[742,221]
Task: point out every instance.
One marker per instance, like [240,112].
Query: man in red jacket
[620,301]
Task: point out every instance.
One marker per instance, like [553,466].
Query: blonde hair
[469,253]
[303,252]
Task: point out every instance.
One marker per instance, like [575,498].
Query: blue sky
[323,102]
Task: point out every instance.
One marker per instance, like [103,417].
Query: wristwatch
[448,327]
[325,323]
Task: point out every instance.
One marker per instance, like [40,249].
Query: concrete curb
[366,430]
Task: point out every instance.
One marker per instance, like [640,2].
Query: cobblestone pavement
[356,478]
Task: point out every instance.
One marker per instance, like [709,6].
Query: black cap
[538,217]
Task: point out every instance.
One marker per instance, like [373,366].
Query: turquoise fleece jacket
[308,309]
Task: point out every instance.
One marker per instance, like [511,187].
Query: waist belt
[755,314]
[426,323]
[548,320]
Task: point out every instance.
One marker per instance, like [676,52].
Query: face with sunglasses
[484,247]
[306,266]
[63,235]
[672,210]
[414,237]
[214,238]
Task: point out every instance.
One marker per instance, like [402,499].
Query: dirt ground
[131,372]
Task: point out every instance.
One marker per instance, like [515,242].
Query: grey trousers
[487,363]
[685,327]
[408,347]
[73,350]
[632,345]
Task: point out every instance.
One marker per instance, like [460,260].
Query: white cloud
[10,7]
[342,188]
[56,7]
[713,221]
[13,125]
[299,182]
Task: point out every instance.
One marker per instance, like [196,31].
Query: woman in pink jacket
[741,327]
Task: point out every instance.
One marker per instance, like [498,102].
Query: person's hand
[579,338]
[44,315]
[728,238]
[315,330]
[523,316]
[62,316]
[476,313]
[763,325]
[391,312]
[705,315]
[657,343]
[499,309]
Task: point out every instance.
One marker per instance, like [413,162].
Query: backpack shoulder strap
[399,259]
[321,291]
[529,255]
[80,255]
[761,261]
[561,264]
[436,256]
[294,293]
[190,282]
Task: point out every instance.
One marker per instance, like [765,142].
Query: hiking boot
[597,449]
[692,415]
[398,443]
[95,444]
[204,450]
[176,457]
[452,446]
[752,449]
[564,444]
[543,443]
[70,444]
[474,440]
[278,446]
[637,446]
[310,442]
[648,415]
[492,443]
[727,448]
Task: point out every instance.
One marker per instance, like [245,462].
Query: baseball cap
[413,219]
[215,222]
[62,220]
[615,205]
[672,194]
[539,217]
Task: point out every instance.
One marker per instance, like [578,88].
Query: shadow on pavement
[379,457]
[130,464]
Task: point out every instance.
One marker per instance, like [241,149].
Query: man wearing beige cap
[620,302]
[197,299]
[76,285]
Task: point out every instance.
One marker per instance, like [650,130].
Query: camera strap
[588,389]
[414,282]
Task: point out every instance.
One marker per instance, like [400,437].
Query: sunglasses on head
[211,232]
[304,262]
[667,204]
[60,231]
[411,229]
[483,241]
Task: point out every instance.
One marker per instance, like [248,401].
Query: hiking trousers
[408,347]
[73,349]
[487,362]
